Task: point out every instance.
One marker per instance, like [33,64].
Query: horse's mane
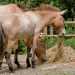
[46,7]
[22,7]
[41,7]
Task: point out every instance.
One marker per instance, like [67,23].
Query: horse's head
[54,17]
[41,51]
[58,23]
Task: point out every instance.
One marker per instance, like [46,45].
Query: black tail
[2,37]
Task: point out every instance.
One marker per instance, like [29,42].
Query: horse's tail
[2,37]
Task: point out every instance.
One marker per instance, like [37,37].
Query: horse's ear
[63,12]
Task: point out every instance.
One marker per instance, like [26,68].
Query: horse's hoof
[28,66]
[33,66]
[44,60]
[28,63]
[0,67]
[11,70]
[21,67]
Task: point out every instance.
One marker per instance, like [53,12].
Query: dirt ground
[44,69]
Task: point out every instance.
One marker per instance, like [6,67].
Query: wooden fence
[60,39]
[67,35]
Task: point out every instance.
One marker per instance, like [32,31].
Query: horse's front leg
[1,58]
[35,39]
[16,58]
[28,57]
[8,61]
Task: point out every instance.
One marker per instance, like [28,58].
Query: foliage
[22,46]
[30,3]
[70,42]
[70,28]
[70,5]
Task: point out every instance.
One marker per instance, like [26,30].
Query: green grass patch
[70,42]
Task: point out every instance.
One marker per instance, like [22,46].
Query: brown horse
[29,24]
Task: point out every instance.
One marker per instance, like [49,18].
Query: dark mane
[46,7]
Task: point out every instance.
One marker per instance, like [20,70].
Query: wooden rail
[69,22]
[60,39]
[67,35]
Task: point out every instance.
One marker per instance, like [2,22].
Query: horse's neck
[46,16]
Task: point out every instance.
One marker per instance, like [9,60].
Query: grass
[70,42]
[52,41]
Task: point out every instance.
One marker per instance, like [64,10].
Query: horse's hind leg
[16,58]
[1,59]
[28,56]
[34,47]
[32,59]
[8,61]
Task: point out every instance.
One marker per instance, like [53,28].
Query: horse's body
[29,24]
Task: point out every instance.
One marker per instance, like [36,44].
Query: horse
[29,24]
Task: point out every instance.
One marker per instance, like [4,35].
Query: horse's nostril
[62,32]
[44,59]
